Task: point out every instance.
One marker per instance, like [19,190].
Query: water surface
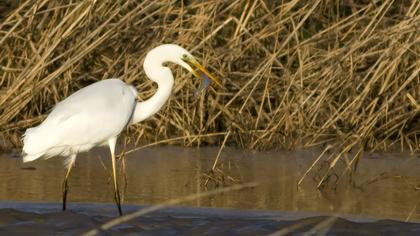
[383,188]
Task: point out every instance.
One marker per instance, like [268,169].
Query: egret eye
[184,56]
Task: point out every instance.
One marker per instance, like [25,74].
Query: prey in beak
[201,73]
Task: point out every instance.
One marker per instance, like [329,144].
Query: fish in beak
[202,73]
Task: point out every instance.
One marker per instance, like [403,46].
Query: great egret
[96,115]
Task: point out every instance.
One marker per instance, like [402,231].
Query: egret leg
[117,197]
[69,164]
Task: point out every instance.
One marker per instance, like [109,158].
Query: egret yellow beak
[202,71]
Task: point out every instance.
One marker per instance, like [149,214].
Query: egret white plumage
[96,115]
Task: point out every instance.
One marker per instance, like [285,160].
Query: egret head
[155,58]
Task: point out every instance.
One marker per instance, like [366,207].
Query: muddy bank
[41,219]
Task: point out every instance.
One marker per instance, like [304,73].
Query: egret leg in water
[117,197]
[97,114]
[69,164]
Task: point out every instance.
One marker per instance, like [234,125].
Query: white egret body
[90,117]
[96,115]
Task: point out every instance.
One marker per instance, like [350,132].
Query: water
[384,186]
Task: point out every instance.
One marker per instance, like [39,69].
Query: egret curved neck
[153,66]
[152,105]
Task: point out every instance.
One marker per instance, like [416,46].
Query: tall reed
[296,73]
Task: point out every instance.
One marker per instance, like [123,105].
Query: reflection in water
[385,183]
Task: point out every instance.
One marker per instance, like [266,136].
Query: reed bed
[343,75]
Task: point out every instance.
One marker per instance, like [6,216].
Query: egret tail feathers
[35,144]
[28,158]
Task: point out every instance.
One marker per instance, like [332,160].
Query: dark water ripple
[186,221]
[16,222]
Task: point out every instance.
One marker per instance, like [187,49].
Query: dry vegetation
[296,73]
